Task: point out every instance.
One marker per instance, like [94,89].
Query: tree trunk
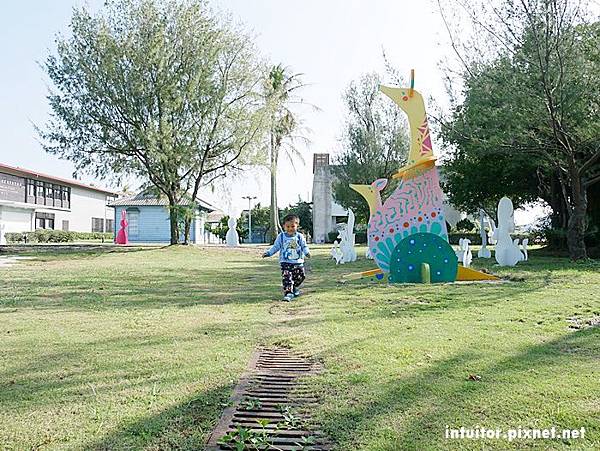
[576,224]
[560,213]
[186,231]
[274,225]
[173,221]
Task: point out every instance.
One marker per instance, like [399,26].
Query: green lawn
[141,349]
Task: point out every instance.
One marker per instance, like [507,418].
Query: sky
[331,42]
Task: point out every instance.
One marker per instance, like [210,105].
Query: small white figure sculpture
[460,252]
[346,237]
[491,232]
[524,244]
[467,256]
[516,243]
[507,253]
[232,237]
[368,255]
[336,253]
[484,252]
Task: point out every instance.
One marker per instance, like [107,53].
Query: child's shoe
[288,297]
[297,292]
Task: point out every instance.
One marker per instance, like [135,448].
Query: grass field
[141,349]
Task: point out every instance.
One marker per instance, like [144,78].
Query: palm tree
[285,129]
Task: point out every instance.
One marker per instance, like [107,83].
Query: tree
[540,61]
[261,217]
[285,128]
[374,143]
[166,91]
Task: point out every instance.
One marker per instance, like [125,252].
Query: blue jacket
[292,249]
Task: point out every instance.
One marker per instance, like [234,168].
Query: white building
[30,200]
[326,211]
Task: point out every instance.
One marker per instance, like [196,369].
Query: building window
[110,226]
[50,194]
[44,221]
[49,191]
[133,219]
[39,192]
[97,225]
[65,225]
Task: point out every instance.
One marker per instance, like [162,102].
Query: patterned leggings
[292,276]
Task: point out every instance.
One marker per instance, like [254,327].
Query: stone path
[269,408]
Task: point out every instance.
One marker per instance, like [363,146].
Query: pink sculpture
[122,235]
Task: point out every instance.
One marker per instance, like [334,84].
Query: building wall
[85,205]
[14,220]
[322,199]
[153,224]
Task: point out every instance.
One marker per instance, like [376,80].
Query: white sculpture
[460,252]
[2,239]
[467,256]
[232,237]
[491,232]
[336,253]
[507,253]
[524,244]
[516,243]
[368,255]
[484,252]
[346,236]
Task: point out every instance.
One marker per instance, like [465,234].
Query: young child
[292,250]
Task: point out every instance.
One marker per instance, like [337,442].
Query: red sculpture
[122,235]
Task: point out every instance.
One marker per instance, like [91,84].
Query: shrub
[55,236]
[360,237]
[465,225]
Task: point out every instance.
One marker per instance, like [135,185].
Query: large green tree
[530,99]
[166,91]
[374,143]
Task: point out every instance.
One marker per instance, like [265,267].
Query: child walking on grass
[292,249]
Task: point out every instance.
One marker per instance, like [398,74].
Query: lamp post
[250,198]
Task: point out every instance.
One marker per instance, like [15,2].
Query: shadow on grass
[430,400]
[185,426]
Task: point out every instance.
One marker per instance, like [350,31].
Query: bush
[475,238]
[55,236]
[360,237]
[332,236]
[465,225]
[557,238]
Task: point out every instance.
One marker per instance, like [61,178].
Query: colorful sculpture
[423,251]
[232,238]
[507,252]
[121,237]
[413,214]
